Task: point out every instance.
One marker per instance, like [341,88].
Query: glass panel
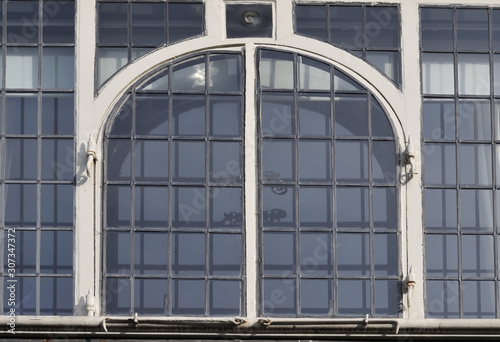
[437,73]
[346,26]
[188,115]
[474,119]
[381,127]
[496,67]
[276,70]
[25,297]
[148,24]
[278,160]
[151,206]
[439,119]
[249,20]
[315,161]
[495,18]
[382,27]
[385,208]
[441,253]
[384,162]
[386,297]
[117,296]
[385,255]
[188,161]
[224,73]
[21,159]
[313,75]
[311,21]
[184,21]
[314,115]
[226,208]
[57,205]
[279,253]
[278,204]
[353,254]
[476,209]
[58,68]
[150,253]
[188,206]
[316,254]
[316,296]
[386,62]
[225,164]
[57,159]
[342,82]
[473,74]
[437,28]
[279,296]
[21,114]
[440,164]
[441,209]
[118,250]
[315,207]
[21,67]
[150,296]
[225,116]
[151,115]
[189,75]
[119,159]
[19,29]
[56,255]
[157,83]
[56,296]
[25,251]
[118,206]
[138,52]
[188,254]
[188,297]
[58,22]
[353,210]
[225,255]
[478,256]
[353,297]
[151,160]
[122,122]
[20,205]
[58,114]
[472,29]
[477,299]
[110,60]
[112,23]
[351,161]
[225,297]
[442,299]
[277,116]
[475,164]
[351,115]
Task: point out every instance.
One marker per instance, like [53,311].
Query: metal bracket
[408,161]
[91,155]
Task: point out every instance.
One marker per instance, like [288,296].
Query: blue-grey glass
[385,208]
[353,297]
[279,297]
[189,76]
[188,161]
[184,21]
[277,116]
[385,254]
[1,24]
[342,82]
[225,255]
[436,25]
[20,205]
[117,293]
[249,20]
[56,254]
[384,162]
[21,70]
[472,29]
[476,209]
[188,254]
[478,256]
[351,115]
[57,205]
[387,62]
[313,75]
[224,297]
[188,207]
[224,73]
[157,83]
[112,27]
[58,22]
[150,253]
[118,206]
[381,127]
[122,123]
[315,161]
[279,253]
[311,21]
[21,112]
[351,161]
[151,115]
[278,205]
[58,114]
[386,293]
[475,164]
[473,74]
[118,250]
[22,22]
[25,254]
[441,255]
[353,207]
[316,297]
[151,160]
[474,119]
[56,296]
[439,119]
[225,162]
[278,160]
[109,61]
[188,297]
[498,216]
[57,159]
[440,166]
[119,160]
[346,27]
[276,70]
[148,24]
[225,116]
[21,159]
[496,84]
[58,68]
[314,115]
[441,209]
[150,297]
[495,28]
[225,208]
[25,297]
[353,254]
[136,52]
[151,206]
[438,73]
[478,299]
[316,254]
[315,207]
[188,115]
[382,27]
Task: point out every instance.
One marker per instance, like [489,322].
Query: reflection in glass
[436,28]
[353,254]
[276,70]
[277,114]
[57,159]
[151,115]
[189,75]
[21,114]
[351,115]
[224,297]
[151,160]
[476,209]
[151,206]
[279,253]
[353,209]
[477,299]
[118,206]
[225,163]
[57,114]
[58,68]
[439,119]
[150,296]
[354,297]
[387,62]
[110,60]
[56,255]
[442,299]
[226,208]
[117,296]
[345,25]
[278,204]
[21,159]
[185,20]
[351,161]
[188,297]
[313,75]
[440,164]
[315,207]
[18,28]
[225,255]
[441,209]
[315,161]
[316,296]
[478,256]
[188,207]
[472,29]
[473,74]
[384,162]
[316,254]
[188,254]
[441,255]
[437,73]
[56,296]
[150,253]
[21,70]
[188,115]
[20,205]
[225,116]
[474,119]
[112,23]
[278,160]
[118,252]
[385,251]
[224,73]
[148,21]
[314,115]
[56,205]
[384,207]
[475,164]
[311,21]
[188,161]
[58,25]
[286,305]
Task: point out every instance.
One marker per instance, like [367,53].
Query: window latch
[91,154]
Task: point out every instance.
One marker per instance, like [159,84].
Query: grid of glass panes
[328,193]
[129,29]
[173,221]
[460,74]
[37,153]
[367,31]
